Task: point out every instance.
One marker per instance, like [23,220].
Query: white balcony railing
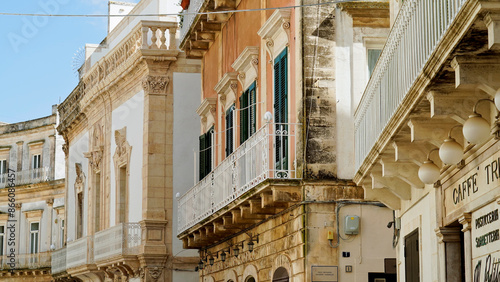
[268,154]
[58,261]
[79,252]
[189,15]
[121,239]
[416,33]
[27,261]
[25,177]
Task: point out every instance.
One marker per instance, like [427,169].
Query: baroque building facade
[426,135]
[273,198]
[31,198]
[123,137]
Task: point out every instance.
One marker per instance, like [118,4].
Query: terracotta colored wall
[210,70]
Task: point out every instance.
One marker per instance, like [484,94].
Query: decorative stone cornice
[206,107]
[227,82]
[156,84]
[278,22]
[248,59]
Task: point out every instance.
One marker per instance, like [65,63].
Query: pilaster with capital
[465,220]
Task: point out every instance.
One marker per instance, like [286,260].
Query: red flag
[185,4]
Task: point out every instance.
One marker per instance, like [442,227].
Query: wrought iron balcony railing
[27,261]
[268,154]
[24,177]
[122,239]
[417,31]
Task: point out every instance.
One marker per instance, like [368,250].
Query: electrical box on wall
[351,226]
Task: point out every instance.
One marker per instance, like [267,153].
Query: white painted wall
[131,115]
[351,54]
[60,162]
[369,248]
[117,8]
[344,112]
[187,90]
[123,28]
[76,150]
[422,216]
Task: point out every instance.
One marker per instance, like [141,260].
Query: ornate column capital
[155,84]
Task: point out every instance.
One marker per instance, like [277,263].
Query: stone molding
[226,86]
[80,179]
[247,66]
[276,32]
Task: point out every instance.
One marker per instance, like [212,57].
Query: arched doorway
[250,279]
[281,275]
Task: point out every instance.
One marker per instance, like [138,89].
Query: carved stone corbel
[269,48]
[80,178]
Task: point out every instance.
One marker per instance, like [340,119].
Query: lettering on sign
[487,269]
[474,183]
[324,273]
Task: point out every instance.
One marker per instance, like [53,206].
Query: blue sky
[36,67]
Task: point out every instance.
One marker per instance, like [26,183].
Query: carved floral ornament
[96,154]
[156,84]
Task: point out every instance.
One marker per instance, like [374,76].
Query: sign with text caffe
[473,184]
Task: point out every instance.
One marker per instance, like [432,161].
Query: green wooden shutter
[202,161]
[208,150]
[252,110]
[229,131]
[243,117]
[280,110]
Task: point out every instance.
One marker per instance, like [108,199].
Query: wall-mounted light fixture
[450,151]
[236,249]
[268,117]
[251,243]
[429,172]
[477,129]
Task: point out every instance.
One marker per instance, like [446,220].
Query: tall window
[34,234]
[36,161]
[3,166]
[230,130]
[247,113]
[206,153]
[123,196]
[281,110]
[2,239]
[373,55]
[3,171]
[61,235]
[79,215]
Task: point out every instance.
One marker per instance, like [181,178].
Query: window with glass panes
[34,237]
[61,235]
[247,113]
[37,161]
[230,130]
[373,55]
[3,171]
[281,110]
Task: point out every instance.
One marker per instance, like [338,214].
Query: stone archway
[282,264]
[281,275]
[231,276]
[250,274]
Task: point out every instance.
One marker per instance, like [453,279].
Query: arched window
[250,279]
[281,275]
